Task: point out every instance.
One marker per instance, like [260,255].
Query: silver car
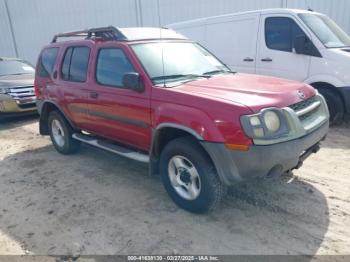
[16,87]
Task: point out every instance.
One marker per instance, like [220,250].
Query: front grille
[303,104]
[22,94]
[306,108]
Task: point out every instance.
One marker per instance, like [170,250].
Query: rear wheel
[189,176]
[61,134]
[335,105]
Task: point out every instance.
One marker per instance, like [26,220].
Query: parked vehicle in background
[16,87]
[293,44]
[152,95]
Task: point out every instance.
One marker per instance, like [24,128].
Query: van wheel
[335,106]
[189,176]
[61,134]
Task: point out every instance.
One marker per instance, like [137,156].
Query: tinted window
[66,63]
[280,33]
[176,61]
[47,61]
[75,64]
[112,64]
[329,33]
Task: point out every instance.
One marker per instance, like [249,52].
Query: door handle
[267,59]
[248,59]
[93,94]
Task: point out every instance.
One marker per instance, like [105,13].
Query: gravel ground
[98,203]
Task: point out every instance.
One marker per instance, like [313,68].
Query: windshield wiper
[214,72]
[17,74]
[178,76]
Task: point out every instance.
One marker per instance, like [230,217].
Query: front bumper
[235,166]
[11,106]
[345,91]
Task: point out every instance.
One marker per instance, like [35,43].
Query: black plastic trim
[116,118]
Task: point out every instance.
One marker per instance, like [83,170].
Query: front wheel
[189,176]
[335,106]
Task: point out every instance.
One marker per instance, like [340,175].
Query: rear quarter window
[47,62]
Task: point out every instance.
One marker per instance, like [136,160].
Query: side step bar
[119,150]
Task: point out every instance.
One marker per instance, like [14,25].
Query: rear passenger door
[73,84]
[119,113]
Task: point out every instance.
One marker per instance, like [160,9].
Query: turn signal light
[237,147]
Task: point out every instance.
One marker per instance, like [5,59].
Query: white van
[295,44]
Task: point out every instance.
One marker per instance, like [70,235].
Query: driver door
[117,112]
[276,56]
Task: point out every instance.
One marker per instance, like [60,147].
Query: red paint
[211,107]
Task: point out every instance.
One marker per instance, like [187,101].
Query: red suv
[154,96]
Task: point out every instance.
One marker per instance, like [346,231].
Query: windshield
[15,67]
[329,33]
[183,61]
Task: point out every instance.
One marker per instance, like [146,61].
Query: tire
[59,127]
[335,106]
[189,153]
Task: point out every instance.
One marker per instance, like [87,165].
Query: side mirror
[299,44]
[133,81]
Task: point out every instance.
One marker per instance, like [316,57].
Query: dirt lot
[98,203]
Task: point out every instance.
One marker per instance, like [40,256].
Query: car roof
[149,33]
[263,11]
[119,34]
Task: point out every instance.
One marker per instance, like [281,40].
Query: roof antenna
[308,6]
[162,50]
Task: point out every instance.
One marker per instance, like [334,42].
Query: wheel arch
[44,110]
[162,135]
[328,86]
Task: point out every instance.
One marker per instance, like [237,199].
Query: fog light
[259,132]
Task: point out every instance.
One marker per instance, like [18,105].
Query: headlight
[4,90]
[270,123]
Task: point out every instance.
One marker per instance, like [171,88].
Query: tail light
[37,89]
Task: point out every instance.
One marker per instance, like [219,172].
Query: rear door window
[47,61]
[75,64]
[66,63]
[280,33]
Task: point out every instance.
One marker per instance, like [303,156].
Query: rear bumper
[236,166]
[345,91]
[11,106]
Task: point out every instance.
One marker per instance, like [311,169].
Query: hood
[17,80]
[256,92]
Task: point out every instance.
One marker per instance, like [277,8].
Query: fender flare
[178,126]
[155,133]
[44,117]
[324,78]
[154,157]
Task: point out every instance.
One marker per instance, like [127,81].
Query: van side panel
[233,40]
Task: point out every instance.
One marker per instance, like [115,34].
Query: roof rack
[107,33]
